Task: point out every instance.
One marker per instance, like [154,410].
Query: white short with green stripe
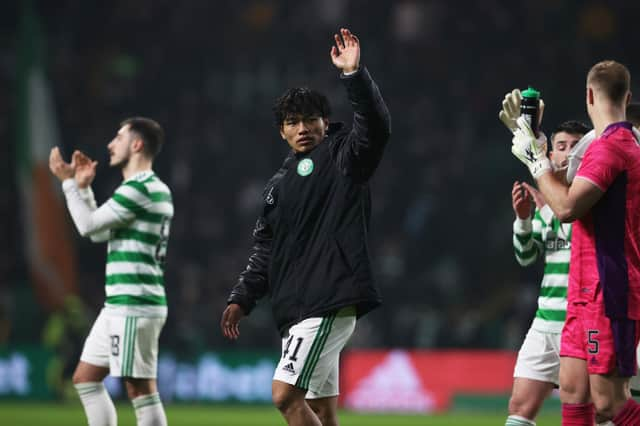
[127,345]
[311,353]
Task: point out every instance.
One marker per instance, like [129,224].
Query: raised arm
[88,221]
[84,175]
[569,202]
[360,150]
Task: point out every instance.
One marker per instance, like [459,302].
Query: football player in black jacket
[310,254]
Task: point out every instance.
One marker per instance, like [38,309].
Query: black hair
[149,131]
[300,101]
[573,127]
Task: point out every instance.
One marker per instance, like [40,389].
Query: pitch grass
[46,414]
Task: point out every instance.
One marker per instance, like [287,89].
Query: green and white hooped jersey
[545,235]
[137,248]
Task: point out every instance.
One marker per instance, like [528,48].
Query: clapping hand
[85,169]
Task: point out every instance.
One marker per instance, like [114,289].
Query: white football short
[127,345]
[539,357]
[311,353]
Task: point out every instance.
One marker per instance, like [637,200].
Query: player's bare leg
[609,394]
[86,372]
[97,403]
[139,387]
[574,381]
[575,393]
[527,397]
[326,409]
[292,404]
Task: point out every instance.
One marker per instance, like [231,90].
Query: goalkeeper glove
[530,150]
[511,110]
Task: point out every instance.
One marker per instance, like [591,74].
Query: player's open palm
[520,201]
[85,169]
[346,53]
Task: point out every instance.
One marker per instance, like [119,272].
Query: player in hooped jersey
[599,339]
[135,221]
[542,236]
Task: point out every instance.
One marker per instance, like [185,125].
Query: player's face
[303,133]
[120,147]
[562,143]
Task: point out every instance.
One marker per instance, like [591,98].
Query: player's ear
[326,124]
[282,132]
[590,95]
[137,145]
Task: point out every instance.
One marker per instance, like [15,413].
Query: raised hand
[520,201]
[61,169]
[85,169]
[345,55]
[529,149]
[511,110]
[536,195]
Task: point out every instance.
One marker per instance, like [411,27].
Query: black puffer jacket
[310,252]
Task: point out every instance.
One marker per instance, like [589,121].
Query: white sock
[97,404]
[149,410]
[607,423]
[519,421]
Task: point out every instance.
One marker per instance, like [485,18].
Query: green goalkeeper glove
[530,150]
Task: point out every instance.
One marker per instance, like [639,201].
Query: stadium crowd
[209,73]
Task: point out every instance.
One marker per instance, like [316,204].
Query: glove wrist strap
[540,167]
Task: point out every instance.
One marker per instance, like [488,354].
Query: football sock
[149,410]
[629,415]
[519,421]
[578,414]
[97,404]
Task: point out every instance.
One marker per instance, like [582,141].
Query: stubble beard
[121,164]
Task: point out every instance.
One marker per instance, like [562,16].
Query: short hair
[573,127]
[612,78]
[300,101]
[633,113]
[149,131]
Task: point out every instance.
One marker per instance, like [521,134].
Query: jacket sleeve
[253,282]
[359,151]
[527,239]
